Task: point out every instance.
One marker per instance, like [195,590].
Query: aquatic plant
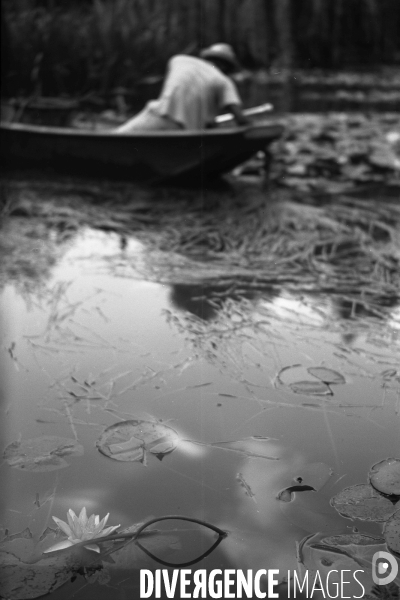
[40,575]
[82,528]
[74,47]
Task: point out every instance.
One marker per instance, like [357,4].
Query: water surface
[97,343]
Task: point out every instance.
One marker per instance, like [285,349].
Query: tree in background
[77,46]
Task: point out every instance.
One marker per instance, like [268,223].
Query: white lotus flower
[79,529]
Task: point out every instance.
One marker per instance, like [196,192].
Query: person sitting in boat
[195,91]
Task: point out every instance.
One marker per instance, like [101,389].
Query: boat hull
[140,155]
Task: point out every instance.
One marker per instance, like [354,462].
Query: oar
[248,112]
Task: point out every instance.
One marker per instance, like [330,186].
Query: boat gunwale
[109,134]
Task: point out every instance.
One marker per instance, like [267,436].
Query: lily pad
[364,503]
[385,476]
[326,375]
[351,540]
[311,388]
[287,495]
[391,531]
[130,441]
[320,556]
[295,377]
[356,546]
[23,581]
[24,534]
[45,453]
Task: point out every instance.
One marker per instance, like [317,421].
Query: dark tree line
[74,46]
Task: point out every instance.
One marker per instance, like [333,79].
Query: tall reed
[58,46]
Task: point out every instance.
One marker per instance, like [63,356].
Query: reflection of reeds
[100,45]
[97,47]
[346,246]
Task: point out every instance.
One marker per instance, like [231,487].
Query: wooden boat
[158,154]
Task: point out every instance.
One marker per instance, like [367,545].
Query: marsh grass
[72,47]
[241,239]
[95,47]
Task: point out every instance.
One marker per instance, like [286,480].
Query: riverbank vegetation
[237,239]
[53,47]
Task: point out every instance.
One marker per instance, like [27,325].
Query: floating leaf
[287,495]
[28,573]
[25,546]
[23,581]
[253,447]
[362,502]
[45,453]
[22,547]
[391,531]
[326,375]
[25,534]
[351,539]
[320,556]
[311,388]
[357,546]
[385,476]
[129,441]
[292,375]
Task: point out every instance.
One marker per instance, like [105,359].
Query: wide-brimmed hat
[222,52]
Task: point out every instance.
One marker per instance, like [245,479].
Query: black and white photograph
[200,299]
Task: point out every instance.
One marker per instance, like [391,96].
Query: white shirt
[194,92]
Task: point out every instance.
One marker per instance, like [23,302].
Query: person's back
[194,92]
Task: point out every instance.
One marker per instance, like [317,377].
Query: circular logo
[384,568]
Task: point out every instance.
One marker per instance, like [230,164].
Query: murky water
[97,344]
[299,94]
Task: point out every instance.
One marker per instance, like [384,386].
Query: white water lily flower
[80,529]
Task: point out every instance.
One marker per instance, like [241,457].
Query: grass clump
[239,239]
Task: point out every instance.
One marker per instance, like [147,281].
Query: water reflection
[343,314]
[291,94]
[97,343]
[195,299]
[351,308]
[34,261]
[205,300]
[4,408]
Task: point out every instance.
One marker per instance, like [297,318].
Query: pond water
[239,409]
[305,91]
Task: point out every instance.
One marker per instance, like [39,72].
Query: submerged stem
[135,534]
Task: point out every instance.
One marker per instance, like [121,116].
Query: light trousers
[148,120]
